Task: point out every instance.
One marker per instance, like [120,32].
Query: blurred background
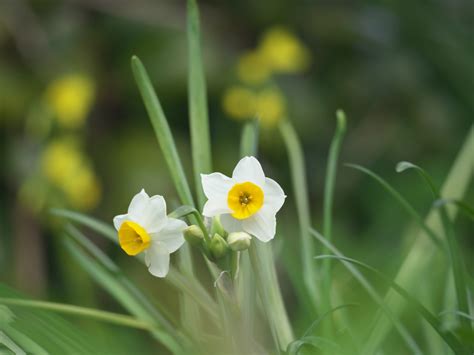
[74,132]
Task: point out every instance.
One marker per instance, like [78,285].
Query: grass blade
[403,202]
[300,189]
[110,282]
[190,313]
[404,333]
[198,115]
[405,165]
[162,131]
[109,317]
[448,337]
[423,253]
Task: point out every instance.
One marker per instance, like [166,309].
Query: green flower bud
[239,241]
[193,235]
[218,247]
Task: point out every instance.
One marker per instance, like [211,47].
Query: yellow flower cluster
[70,98]
[66,167]
[279,51]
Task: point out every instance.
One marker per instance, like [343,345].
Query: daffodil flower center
[133,238]
[245,199]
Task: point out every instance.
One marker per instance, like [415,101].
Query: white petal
[171,235]
[215,207]
[230,223]
[157,258]
[138,204]
[216,185]
[249,169]
[262,225]
[274,197]
[118,220]
[153,218]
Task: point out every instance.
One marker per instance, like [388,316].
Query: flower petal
[171,235]
[153,218]
[274,195]
[249,169]
[216,185]
[231,224]
[118,220]
[138,204]
[215,207]
[157,258]
[262,225]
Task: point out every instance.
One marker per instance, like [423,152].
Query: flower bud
[218,247]
[239,241]
[193,235]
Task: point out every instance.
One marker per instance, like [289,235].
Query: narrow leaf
[198,115]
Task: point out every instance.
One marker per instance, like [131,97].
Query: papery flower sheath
[146,228]
[248,201]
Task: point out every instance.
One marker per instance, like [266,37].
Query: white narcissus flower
[146,228]
[246,202]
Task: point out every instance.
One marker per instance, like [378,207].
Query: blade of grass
[404,333]
[403,202]
[121,294]
[448,337]
[300,189]
[330,181]
[183,283]
[109,317]
[454,254]
[198,115]
[423,253]
[162,130]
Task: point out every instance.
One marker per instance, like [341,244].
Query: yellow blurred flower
[70,98]
[283,51]
[66,167]
[268,105]
[239,102]
[271,107]
[253,69]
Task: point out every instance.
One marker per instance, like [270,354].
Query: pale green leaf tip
[404,165]
[341,120]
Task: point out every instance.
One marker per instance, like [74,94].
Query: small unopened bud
[239,241]
[218,247]
[193,235]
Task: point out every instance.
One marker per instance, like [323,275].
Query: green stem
[298,174]
[261,258]
[328,203]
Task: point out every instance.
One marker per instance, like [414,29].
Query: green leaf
[423,254]
[113,283]
[315,324]
[320,344]
[198,115]
[92,223]
[162,131]
[300,189]
[448,337]
[405,165]
[163,134]
[40,332]
[404,333]
[403,202]
[109,317]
